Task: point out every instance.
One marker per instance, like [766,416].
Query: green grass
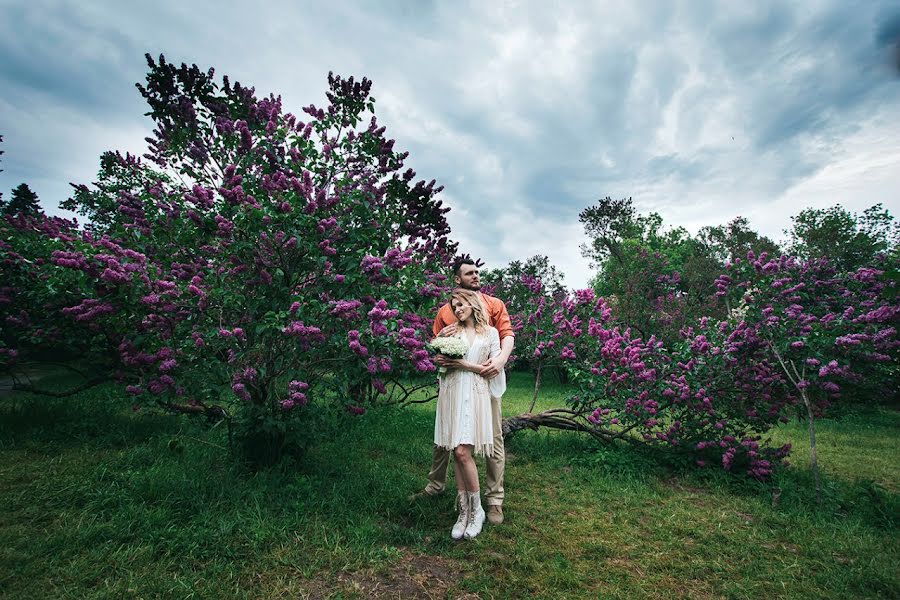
[101,502]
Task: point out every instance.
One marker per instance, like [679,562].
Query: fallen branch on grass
[564,419]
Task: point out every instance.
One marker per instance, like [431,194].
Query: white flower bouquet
[451,347]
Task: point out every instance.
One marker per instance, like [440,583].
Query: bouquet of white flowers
[451,347]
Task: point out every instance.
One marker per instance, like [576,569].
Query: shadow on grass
[101,416]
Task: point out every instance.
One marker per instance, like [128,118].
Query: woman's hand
[458,363]
[449,363]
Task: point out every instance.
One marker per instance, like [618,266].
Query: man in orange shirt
[466,276]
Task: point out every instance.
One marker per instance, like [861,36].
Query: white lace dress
[464,399]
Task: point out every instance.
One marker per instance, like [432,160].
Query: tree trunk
[813,459]
[537,385]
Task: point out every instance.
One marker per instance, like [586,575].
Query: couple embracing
[468,409]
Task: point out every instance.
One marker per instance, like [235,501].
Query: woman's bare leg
[466,467]
[458,475]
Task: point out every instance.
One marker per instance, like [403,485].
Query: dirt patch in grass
[416,576]
[413,576]
[677,484]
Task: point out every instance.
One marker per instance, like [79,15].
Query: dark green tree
[656,279]
[728,242]
[22,201]
[848,240]
[608,223]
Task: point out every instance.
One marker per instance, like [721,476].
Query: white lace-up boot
[462,521]
[476,515]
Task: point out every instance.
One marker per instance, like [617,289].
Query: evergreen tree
[23,200]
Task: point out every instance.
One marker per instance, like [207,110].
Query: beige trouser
[496,463]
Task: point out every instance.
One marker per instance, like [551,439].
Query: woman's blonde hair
[479,311]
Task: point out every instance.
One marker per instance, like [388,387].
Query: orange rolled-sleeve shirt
[497,315]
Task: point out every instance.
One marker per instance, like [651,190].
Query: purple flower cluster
[236,333]
[224,227]
[306,332]
[377,365]
[355,343]
[241,391]
[397,259]
[296,395]
[89,310]
[373,268]
[379,314]
[346,309]
[73,260]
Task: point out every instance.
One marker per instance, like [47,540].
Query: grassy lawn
[101,502]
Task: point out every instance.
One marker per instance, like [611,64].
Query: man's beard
[472,287]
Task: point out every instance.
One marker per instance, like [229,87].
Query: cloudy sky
[527,112]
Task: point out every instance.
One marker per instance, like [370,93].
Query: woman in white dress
[463,419]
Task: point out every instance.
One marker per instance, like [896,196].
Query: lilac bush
[687,396]
[825,330]
[253,261]
[797,333]
[31,301]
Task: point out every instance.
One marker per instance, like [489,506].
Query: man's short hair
[459,262]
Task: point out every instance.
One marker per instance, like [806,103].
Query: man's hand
[448,330]
[492,367]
